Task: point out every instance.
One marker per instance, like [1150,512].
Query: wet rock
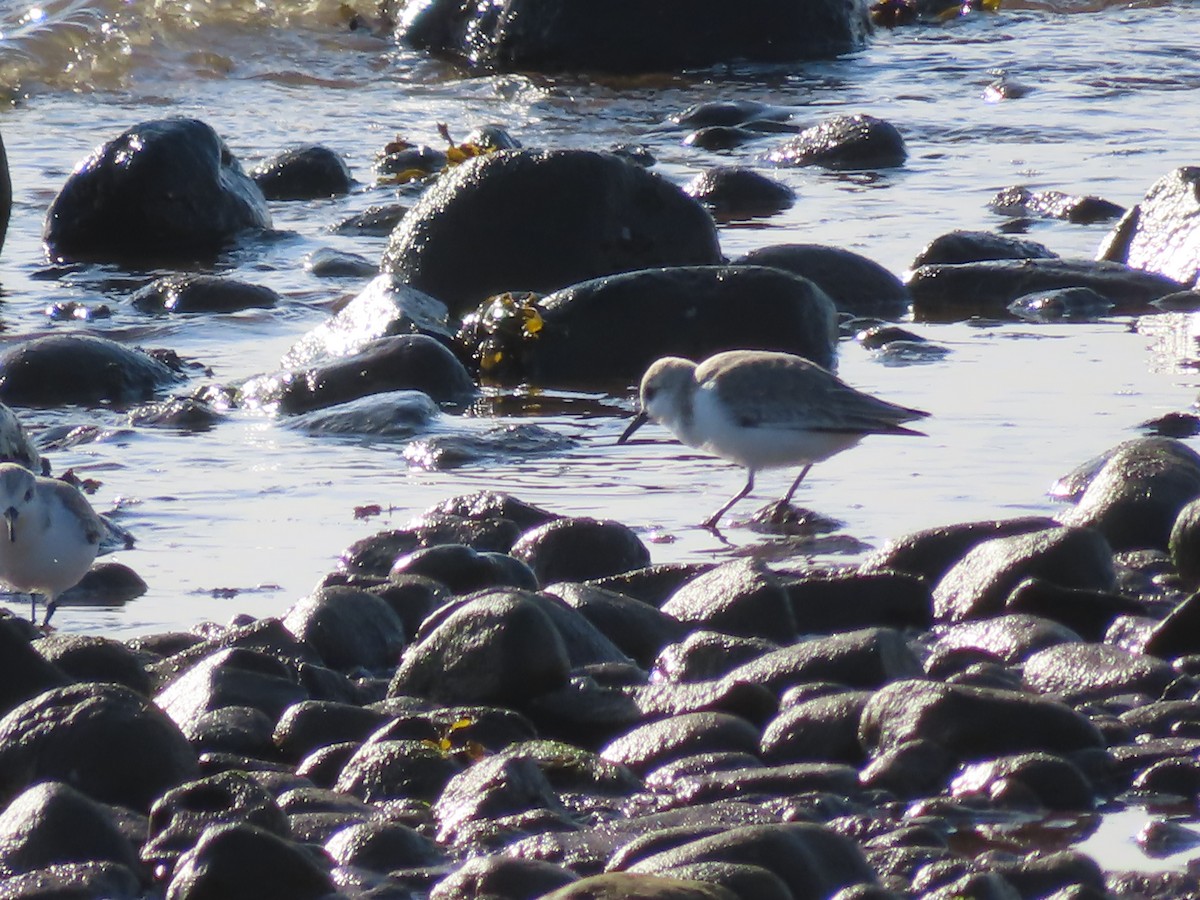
[91,658]
[910,769]
[1055,782]
[972,722]
[731,193]
[384,308]
[1160,234]
[492,790]
[376,220]
[382,847]
[843,142]
[391,769]
[1074,304]
[769,782]
[439,452]
[744,880]
[503,876]
[575,549]
[586,336]
[488,505]
[181,816]
[311,724]
[976,587]
[232,677]
[1020,202]
[1011,637]
[977,886]
[975,246]
[1178,634]
[742,598]
[1087,613]
[1061,875]
[241,862]
[1080,672]
[349,628]
[813,861]
[855,283]
[202,294]
[752,702]
[531,36]
[101,739]
[708,654]
[867,658]
[392,414]
[167,187]
[829,604]
[463,569]
[502,648]
[636,627]
[653,584]
[24,672]
[52,823]
[232,730]
[63,369]
[1137,495]
[325,262]
[716,138]
[930,553]
[1184,543]
[495,223]
[87,879]
[627,886]
[824,728]
[987,287]
[265,635]
[403,362]
[650,746]
[182,413]
[303,173]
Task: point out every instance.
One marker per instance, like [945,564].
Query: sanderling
[762,410]
[15,445]
[50,535]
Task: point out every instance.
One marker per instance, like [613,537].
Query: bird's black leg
[51,606]
[33,607]
[787,498]
[711,522]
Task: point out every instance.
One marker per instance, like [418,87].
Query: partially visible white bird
[762,410]
[15,445]
[49,537]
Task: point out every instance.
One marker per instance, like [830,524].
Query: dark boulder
[1184,543]
[462,569]
[496,787]
[1087,613]
[853,282]
[102,739]
[311,724]
[972,722]
[611,329]
[1160,234]
[24,673]
[1080,672]
[731,193]
[240,730]
[1020,202]
[349,628]
[958,291]
[977,586]
[675,34]
[822,729]
[1136,496]
[975,246]
[579,548]
[168,187]
[86,879]
[383,770]
[85,657]
[868,658]
[1056,782]
[502,876]
[639,629]
[401,363]
[383,846]
[741,598]
[202,294]
[244,862]
[497,223]
[1011,637]
[62,369]
[303,173]
[237,676]
[843,142]
[1071,304]
[656,743]
[828,604]
[707,654]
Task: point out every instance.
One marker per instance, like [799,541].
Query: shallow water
[247,517]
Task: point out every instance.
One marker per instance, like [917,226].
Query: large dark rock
[823,728]
[610,329]
[244,862]
[987,287]
[868,658]
[639,629]
[977,586]
[1079,672]
[233,677]
[1011,637]
[85,657]
[741,598]
[401,363]
[628,36]
[651,745]
[1137,495]
[202,294]
[844,142]
[502,876]
[462,569]
[24,673]
[976,246]
[855,283]
[828,604]
[497,223]
[62,369]
[502,648]
[395,769]
[101,739]
[578,548]
[732,193]
[168,187]
[496,787]
[303,173]
[349,628]
[972,722]
[382,846]
[1162,232]
[812,860]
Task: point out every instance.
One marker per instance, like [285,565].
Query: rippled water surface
[248,516]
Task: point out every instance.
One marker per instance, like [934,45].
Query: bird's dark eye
[650,392]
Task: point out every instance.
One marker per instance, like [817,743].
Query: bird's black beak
[10,519]
[638,421]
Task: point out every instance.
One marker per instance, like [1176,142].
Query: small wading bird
[762,410]
[49,537]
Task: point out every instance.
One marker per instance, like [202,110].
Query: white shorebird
[49,537]
[762,410]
